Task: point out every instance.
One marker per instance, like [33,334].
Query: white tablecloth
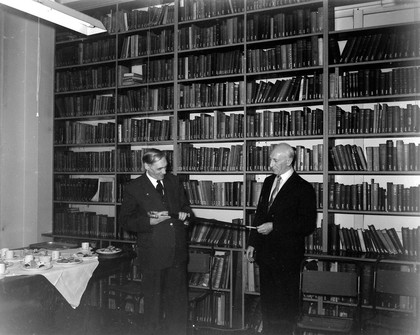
[70,280]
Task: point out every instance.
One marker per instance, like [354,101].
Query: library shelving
[215,84]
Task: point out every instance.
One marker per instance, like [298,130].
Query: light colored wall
[26,123]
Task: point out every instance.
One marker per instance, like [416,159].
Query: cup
[45,259]
[55,255]
[28,258]
[9,254]
[2,268]
[85,245]
[3,252]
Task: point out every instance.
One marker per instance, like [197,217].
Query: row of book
[305,52]
[129,160]
[205,126]
[213,310]
[252,277]
[85,78]
[261,4]
[275,25]
[86,52]
[155,71]
[144,130]
[71,132]
[84,161]
[147,43]
[347,157]
[297,88]
[384,157]
[200,9]
[370,196]
[217,233]
[209,193]
[285,123]
[218,276]
[138,18]
[197,95]
[72,222]
[382,118]
[210,159]
[300,21]
[84,105]
[389,157]
[202,35]
[84,189]
[210,64]
[374,241]
[374,82]
[306,159]
[260,124]
[144,99]
[379,46]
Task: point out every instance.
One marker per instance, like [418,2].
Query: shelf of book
[216,83]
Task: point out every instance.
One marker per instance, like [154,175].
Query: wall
[26,123]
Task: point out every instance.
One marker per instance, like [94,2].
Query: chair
[395,301]
[329,302]
[199,267]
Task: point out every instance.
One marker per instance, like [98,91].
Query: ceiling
[82,5]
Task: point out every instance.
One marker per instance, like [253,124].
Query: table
[29,304]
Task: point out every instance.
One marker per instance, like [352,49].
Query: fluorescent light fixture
[54,12]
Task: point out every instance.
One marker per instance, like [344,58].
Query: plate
[7,263]
[69,261]
[85,256]
[107,251]
[44,268]
[15,258]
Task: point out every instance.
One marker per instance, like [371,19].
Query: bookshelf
[215,84]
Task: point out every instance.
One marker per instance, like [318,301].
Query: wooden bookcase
[216,84]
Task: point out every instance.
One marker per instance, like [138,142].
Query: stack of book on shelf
[379,119]
[72,222]
[131,78]
[216,233]
[218,276]
[371,196]
[252,277]
[374,242]
[214,310]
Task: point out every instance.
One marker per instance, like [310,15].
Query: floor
[83,321]
[112,322]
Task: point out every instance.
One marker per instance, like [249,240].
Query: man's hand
[183,216]
[265,228]
[250,254]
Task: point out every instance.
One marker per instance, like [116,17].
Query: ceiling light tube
[59,14]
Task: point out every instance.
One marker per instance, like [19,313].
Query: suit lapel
[286,188]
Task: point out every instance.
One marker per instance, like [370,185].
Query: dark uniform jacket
[159,244]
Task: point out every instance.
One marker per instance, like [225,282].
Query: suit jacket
[293,214]
[162,244]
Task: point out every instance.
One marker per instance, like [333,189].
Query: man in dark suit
[285,214]
[156,208]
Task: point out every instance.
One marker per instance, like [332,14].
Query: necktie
[159,188]
[275,191]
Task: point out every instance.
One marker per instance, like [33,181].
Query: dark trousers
[279,298]
[166,300]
